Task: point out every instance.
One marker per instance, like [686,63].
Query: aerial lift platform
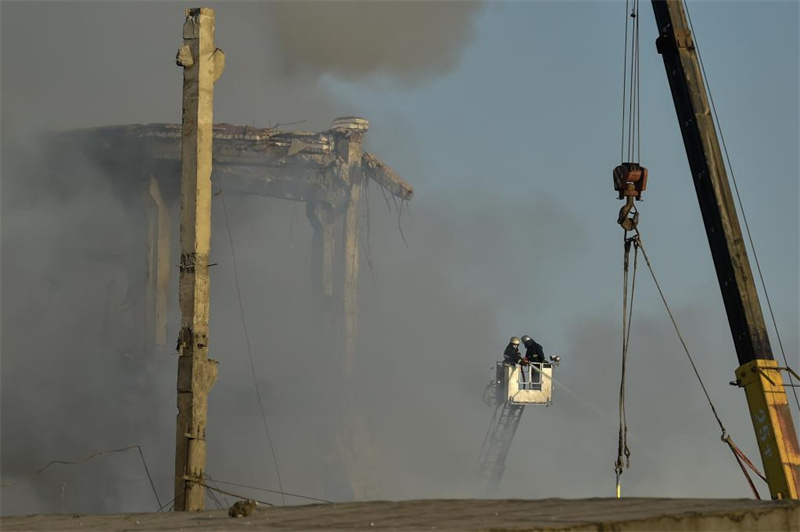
[511,389]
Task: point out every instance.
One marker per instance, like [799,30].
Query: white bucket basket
[531,384]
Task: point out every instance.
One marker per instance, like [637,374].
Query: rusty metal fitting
[630,180]
[627,220]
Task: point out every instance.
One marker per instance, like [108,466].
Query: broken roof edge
[162,129]
[268,145]
[383,174]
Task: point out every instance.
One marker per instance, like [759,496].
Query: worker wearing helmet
[533,350]
[511,355]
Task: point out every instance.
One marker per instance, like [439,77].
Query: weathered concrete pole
[202,64]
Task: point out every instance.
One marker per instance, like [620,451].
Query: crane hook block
[630,180]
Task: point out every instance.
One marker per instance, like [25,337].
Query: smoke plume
[74,377]
[409,42]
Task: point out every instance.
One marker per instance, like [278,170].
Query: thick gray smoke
[407,41]
[74,380]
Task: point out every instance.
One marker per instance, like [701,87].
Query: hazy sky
[534,109]
[505,117]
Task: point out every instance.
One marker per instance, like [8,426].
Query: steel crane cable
[630,141]
[627,317]
[624,84]
[630,151]
[741,205]
[725,437]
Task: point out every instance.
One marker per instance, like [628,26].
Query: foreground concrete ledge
[631,514]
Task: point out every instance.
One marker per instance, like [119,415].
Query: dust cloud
[74,376]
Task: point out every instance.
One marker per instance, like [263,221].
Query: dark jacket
[534,351]
[511,355]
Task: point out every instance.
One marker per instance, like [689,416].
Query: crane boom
[758,372]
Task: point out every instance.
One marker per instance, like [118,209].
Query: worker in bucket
[511,355]
[533,350]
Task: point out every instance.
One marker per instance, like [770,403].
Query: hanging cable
[215,500]
[624,84]
[86,459]
[225,492]
[725,437]
[214,482]
[247,341]
[623,452]
[741,205]
[638,84]
[630,180]
[170,504]
[630,177]
[630,142]
[631,88]
[304,497]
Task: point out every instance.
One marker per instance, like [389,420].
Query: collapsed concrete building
[327,171]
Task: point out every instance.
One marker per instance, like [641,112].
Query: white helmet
[514,340]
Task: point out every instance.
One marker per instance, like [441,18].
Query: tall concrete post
[349,148]
[202,64]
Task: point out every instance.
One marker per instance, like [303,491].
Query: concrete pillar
[353,434]
[349,149]
[202,64]
[158,266]
[323,218]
